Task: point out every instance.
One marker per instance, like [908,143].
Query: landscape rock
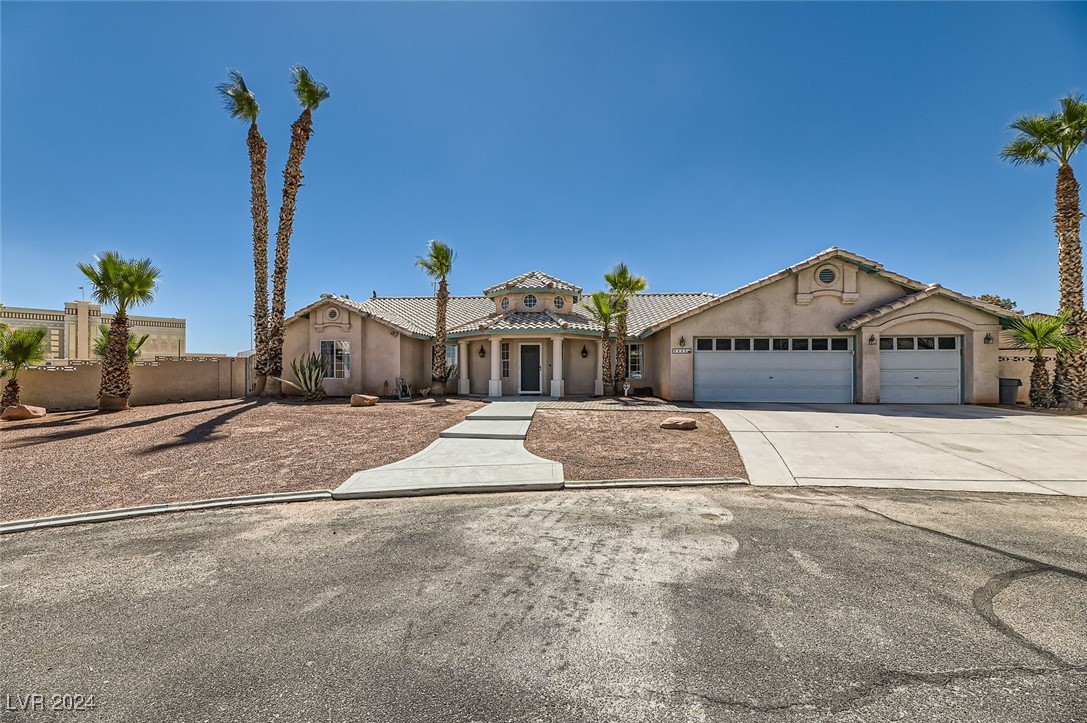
[22,411]
[363,400]
[679,423]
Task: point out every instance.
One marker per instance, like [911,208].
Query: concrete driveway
[909,446]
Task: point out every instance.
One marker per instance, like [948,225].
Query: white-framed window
[505,303]
[530,300]
[338,354]
[635,360]
[918,343]
[505,359]
[820,343]
[450,354]
[559,302]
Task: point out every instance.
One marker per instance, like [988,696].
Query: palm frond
[20,348]
[438,262]
[1040,332]
[310,92]
[238,100]
[602,308]
[121,282]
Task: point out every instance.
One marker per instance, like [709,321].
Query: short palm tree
[622,285]
[135,343]
[123,283]
[242,105]
[601,307]
[438,264]
[1039,333]
[1056,138]
[19,348]
[310,95]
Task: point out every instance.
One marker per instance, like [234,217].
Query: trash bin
[1009,390]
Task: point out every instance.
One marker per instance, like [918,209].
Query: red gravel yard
[81,461]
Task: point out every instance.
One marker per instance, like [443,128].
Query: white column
[557,383]
[464,384]
[598,385]
[494,386]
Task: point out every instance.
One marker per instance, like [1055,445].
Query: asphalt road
[696,604]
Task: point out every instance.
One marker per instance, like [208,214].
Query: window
[338,354]
[742,344]
[451,354]
[946,342]
[781,345]
[926,342]
[820,344]
[505,303]
[505,359]
[800,344]
[760,344]
[724,344]
[827,275]
[839,344]
[904,343]
[559,302]
[530,301]
[635,360]
[886,344]
[703,344]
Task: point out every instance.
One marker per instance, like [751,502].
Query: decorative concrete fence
[165,379]
[1017,364]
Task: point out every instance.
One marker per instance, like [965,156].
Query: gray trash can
[1009,390]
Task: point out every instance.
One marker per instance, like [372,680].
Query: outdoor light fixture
[988,338]
[872,340]
[584,352]
[482,351]
[683,341]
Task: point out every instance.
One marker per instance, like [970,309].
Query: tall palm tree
[242,105]
[123,283]
[1041,139]
[1037,333]
[19,348]
[438,264]
[135,344]
[622,285]
[310,94]
[601,307]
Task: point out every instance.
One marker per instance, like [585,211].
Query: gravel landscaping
[80,461]
[624,444]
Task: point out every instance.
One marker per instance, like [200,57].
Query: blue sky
[705,144]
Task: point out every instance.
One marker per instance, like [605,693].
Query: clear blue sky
[705,144]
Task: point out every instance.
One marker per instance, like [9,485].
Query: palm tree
[242,105]
[1039,140]
[602,308]
[1037,333]
[123,283]
[19,348]
[135,343]
[622,285]
[310,94]
[438,264]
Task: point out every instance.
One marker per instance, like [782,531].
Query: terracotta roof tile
[536,280]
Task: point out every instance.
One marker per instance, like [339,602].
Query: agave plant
[310,371]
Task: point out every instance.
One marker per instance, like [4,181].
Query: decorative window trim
[526,298]
[505,303]
[559,302]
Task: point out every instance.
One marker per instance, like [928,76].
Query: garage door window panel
[724,344]
[704,344]
[946,342]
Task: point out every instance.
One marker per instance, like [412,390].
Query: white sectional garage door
[920,370]
[806,369]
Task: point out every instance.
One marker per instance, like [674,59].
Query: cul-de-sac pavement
[725,603]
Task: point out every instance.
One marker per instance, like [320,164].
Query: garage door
[920,370]
[791,369]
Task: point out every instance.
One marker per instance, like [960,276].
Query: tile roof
[536,280]
[649,310]
[528,321]
[415,315]
[910,299]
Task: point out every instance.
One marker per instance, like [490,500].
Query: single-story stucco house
[837,327]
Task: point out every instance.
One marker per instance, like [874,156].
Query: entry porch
[529,365]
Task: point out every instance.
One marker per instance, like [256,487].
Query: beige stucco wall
[579,373]
[152,383]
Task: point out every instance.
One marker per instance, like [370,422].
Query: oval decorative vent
[827,276]
[333,313]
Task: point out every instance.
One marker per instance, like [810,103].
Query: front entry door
[530,369]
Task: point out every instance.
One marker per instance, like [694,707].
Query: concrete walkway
[963,448]
[485,452]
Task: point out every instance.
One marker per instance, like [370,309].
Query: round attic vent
[827,275]
[333,313]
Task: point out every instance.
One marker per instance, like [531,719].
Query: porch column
[494,387]
[598,384]
[464,384]
[557,383]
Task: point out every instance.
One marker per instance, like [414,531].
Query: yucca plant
[1037,333]
[310,371]
[19,348]
[135,343]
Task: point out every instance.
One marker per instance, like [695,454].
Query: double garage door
[913,370]
[807,369]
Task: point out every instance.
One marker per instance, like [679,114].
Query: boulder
[679,423]
[22,411]
[363,400]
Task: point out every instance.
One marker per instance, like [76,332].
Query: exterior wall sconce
[683,341]
[482,351]
[988,338]
[584,352]
[872,340]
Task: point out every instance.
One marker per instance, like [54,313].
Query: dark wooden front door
[530,369]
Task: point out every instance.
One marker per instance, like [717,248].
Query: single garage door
[790,369]
[920,370]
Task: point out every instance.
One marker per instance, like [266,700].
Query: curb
[603,484]
[126,513]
